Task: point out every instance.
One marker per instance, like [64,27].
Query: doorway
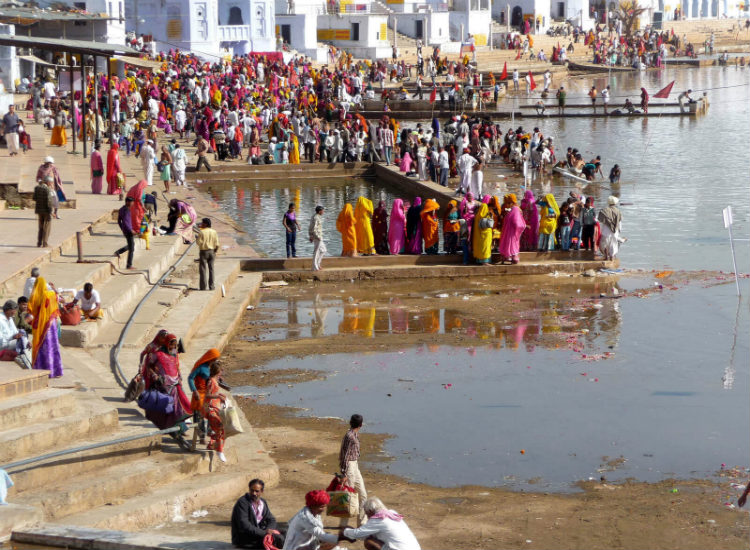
[419,29]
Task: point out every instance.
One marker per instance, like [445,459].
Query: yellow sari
[363,215]
[43,306]
[481,238]
[294,150]
[547,221]
[345,224]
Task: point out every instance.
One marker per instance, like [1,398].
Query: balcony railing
[234,33]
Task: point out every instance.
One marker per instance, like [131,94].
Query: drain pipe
[122,380]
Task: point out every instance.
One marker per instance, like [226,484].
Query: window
[80,6]
[235,16]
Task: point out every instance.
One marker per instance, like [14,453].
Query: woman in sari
[481,245]
[198,381]
[113,168]
[186,217]
[405,165]
[466,211]
[513,226]
[214,401]
[59,137]
[644,100]
[450,228]
[165,159]
[397,229]
[496,211]
[430,226]
[136,207]
[162,373]
[363,215]
[345,224]
[530,236]
[45,347]
[293,149]
[548,213]
[380,229]
[414,228]
[97,169]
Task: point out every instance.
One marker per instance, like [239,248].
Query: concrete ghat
[65,536]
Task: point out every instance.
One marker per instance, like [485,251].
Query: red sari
[113,168]
[164,373]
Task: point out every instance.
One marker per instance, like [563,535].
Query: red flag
[504,74]
[664,92]
[518,55]
[532,84]
[432,95]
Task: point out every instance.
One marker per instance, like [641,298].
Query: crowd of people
[473,228]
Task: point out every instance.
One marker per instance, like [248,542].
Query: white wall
[477,23]
[435,26]
[8,64]
[303,30]
[370,29]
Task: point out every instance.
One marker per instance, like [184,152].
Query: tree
[630,11]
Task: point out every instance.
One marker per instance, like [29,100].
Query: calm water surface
[657,387]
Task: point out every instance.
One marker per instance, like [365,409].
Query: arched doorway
[235,16]
[516,17]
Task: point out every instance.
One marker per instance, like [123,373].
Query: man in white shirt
[49,90]
[9,334]
[315,232]
[515,79]
[443,162]
[91,303]
[605,98]
[28,286]
[465,168]
[147,161]
[306,530]
[384,530]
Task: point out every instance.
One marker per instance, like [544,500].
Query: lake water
[672,400]
[660,381]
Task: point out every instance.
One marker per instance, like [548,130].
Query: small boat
[566,174]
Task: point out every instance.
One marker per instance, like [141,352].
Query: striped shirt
[349,450]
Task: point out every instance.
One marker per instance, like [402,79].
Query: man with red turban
[306,527]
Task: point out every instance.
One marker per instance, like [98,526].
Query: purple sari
[530,235]
[48,357]
[414,228]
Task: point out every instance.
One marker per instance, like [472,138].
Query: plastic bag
[230,419]
[343,504]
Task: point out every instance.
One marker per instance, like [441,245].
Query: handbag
[135,388]
[344,502]
[155,401]
[230,420]
[120,180]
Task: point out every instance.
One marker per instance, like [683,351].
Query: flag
[518,55]
[432,95]
[504,74]
[532,84]
[664,92]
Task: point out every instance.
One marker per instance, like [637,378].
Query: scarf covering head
[43,306]
[449,225]
[210,355]
[429,223]
[317,498]
[397,227]
[387,514]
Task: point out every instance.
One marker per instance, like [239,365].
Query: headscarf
[387,514]
[211,355]
[552,203]
[136,209]
[528,204]
[345,225]
[317,498]
[412,217]
[43,306]
[481,242]
[429,223]
[448,225]
[397,228]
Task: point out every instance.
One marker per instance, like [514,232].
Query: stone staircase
[145,478]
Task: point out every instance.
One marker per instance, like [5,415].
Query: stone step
[92,417]
[40,474]
[15,517]
[119,294]
[287,169]
[24,410]
[15,381]
[114,484]
[172,502]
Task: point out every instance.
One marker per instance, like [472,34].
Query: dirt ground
[669,514]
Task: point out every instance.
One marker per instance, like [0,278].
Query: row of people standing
[476,229]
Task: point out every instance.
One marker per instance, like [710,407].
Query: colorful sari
[97,172]
[113,168]
[199,396]
[186,220]
[430,226]
[510,238]
[380,228]
[163,374]
[45,347]
[362,215]
[345,224]
[137,209]
[451,228]
[397,229]
[548,222]
[530,236]
[414,228]
[482,236]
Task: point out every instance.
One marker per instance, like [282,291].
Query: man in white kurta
[465,165]
[385,528]
[147,161]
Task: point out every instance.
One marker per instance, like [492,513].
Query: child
[145,230]
[588,220]
[463,239]
[24,138]
[563,226]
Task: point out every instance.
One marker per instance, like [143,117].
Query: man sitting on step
[91,303]
[252,520]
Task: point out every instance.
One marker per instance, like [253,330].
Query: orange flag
[432,95]
[664,92]
[504,74]
[532,84]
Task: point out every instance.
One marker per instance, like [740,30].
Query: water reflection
[554,320]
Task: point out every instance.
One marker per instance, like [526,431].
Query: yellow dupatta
[43,306]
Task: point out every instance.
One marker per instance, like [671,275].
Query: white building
[420,20]
[545,12]
[208,28]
